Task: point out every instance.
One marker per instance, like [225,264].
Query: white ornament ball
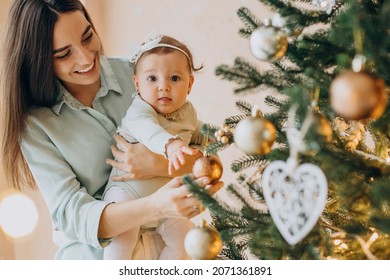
[268,43]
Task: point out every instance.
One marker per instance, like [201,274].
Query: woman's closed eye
[62,56]
[88,38]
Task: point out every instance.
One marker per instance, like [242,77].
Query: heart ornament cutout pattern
[295,201]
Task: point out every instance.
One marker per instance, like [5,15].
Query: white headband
[149,44]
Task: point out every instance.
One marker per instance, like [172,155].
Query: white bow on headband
[150,43]
[137,50]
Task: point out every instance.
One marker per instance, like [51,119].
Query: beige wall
[208,27]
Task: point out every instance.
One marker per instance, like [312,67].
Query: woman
[61,102]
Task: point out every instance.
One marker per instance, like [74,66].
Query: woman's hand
[140,163]
[171,200]
[136,160]
[176,200]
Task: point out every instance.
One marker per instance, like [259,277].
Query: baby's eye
[175,78]
[152,78]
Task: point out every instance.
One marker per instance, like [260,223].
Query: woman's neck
[84,93]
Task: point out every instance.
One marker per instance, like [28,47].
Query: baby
[162,119]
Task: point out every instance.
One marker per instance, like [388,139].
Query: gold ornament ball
[209,166]
[203,243]
[358,95]
[255,135]
[224,140]
[268,43]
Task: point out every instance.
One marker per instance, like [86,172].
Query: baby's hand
[176,151]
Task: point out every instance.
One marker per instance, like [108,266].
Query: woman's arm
[140,163]
[68,173]
[171,200]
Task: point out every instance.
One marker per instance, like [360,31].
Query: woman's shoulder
[40,117]
[119,63]
[121,70]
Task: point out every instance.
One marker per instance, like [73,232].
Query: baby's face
[164,80]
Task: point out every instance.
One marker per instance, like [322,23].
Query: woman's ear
[190,83]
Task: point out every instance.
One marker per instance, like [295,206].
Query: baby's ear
[191,82]
[135,80]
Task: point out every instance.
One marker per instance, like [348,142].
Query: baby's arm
[175,151]
[141,123]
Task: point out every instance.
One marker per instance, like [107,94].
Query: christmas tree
[314,178]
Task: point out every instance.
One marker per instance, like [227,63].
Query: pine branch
[274,102]
[244,106]
[215,147]
[250,79]
[215,206]
[299,16]
[233,120]
[242,73]
[209,130]
[317,47]
[232,252]
[250,21]
[247,161]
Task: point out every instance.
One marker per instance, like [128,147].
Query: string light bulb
[18,215]
[372,239]
[337,242]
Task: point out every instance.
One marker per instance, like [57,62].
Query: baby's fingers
[180,159]
[170,168]
[174,162]
[189,151]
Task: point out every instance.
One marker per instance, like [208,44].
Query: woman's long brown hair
[27,77]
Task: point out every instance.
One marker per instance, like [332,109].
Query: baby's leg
[122,247]
[173,231]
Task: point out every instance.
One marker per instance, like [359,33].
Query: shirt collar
[108,83]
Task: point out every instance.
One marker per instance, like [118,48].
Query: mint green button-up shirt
[66,147]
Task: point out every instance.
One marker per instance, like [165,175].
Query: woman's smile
[90,68]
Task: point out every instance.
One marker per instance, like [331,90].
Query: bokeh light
[18,215]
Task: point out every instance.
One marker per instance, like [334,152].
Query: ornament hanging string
[359,61]
[207,141]
[357,38]
[296,137]
[315,95]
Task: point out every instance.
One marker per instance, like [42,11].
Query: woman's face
[76,50]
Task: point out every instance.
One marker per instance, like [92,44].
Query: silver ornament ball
[268,43]
[255,135]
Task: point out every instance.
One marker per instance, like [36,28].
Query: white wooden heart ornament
[295,199]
